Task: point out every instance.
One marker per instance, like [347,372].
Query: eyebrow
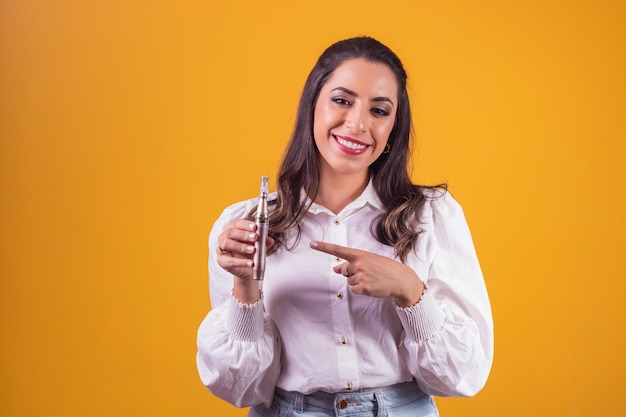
[353,94]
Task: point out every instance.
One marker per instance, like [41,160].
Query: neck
[337,192]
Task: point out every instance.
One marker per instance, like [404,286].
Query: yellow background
[127,126]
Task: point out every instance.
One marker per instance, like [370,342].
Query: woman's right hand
[235,252]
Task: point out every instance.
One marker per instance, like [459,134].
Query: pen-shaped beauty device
[262,226]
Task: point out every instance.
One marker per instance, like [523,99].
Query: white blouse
[310,333]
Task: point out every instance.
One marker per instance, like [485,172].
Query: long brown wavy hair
[398,226]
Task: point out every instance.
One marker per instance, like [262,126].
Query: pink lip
[347,149]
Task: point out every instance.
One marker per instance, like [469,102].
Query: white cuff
[423,320]
[245,321]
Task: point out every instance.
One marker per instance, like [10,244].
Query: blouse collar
[367,197]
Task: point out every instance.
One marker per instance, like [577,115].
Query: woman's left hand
[375,275]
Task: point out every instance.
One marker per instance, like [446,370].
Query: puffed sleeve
[448,341]
[238,355]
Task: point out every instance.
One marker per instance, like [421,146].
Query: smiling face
[354,115]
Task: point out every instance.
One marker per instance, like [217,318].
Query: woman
[373,299]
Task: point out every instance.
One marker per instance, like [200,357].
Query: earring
[387,148]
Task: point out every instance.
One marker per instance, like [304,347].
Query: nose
[357,119]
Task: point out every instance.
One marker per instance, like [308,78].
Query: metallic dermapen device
[262,226]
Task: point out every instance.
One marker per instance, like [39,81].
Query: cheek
[318,130]
[318,120]
[383,131]
[323,122]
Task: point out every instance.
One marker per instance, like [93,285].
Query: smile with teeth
[356,146]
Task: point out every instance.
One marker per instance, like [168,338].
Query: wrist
[246,291]
[411,297]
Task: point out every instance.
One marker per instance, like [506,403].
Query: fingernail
[249,263]
[251,226]
[251,236]
[314,244]
[250,249]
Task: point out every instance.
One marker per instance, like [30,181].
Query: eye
[341,100]
[379,111]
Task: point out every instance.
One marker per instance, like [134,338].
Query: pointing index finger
[340,251]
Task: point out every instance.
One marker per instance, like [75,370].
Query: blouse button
[349,386]
[343,340]
[339,295]
[336,221]
[337,258]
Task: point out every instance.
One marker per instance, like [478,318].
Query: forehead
[364,77]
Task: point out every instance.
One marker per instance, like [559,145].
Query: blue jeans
[402,400]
